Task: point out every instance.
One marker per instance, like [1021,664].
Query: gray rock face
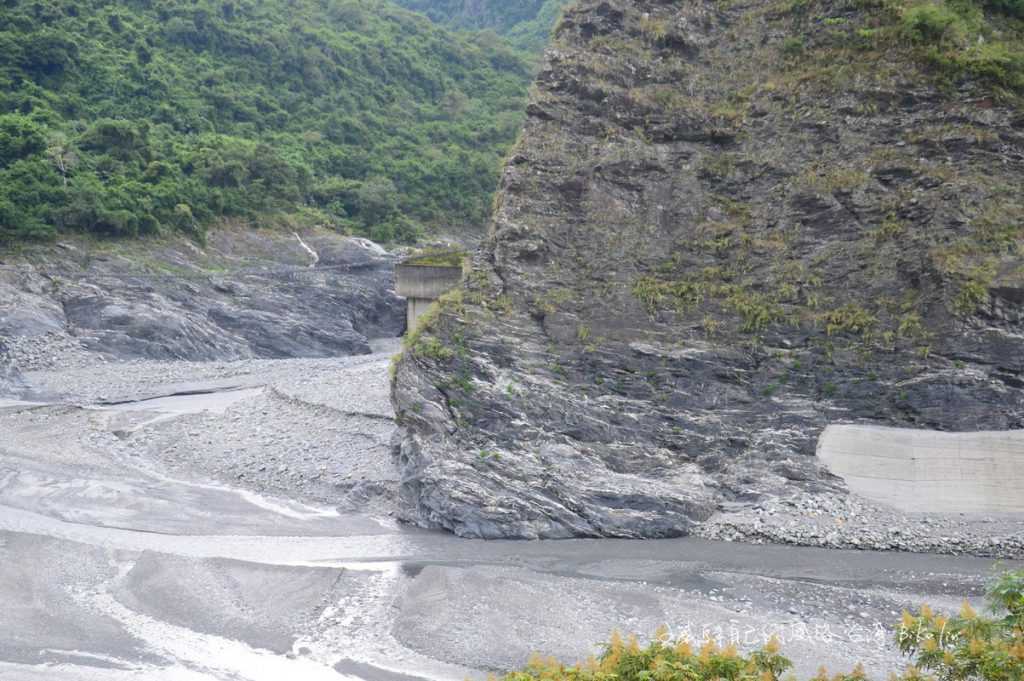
[703,254]
[246,294]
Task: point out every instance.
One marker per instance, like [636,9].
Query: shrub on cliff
[966,647]
[966,37]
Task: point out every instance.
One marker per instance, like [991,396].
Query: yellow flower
[611,661]
[912,673]
[632,645]
[615,644]
[967,612]
[684,649]
[708,649]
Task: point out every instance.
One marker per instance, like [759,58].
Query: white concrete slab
[927,470]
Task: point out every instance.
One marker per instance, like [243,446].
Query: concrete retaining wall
[926,470]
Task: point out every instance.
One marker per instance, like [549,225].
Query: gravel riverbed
[848,522]
[236,520]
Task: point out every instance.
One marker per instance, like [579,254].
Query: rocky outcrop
[245,294]
[726,227]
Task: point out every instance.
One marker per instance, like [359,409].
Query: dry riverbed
[234,520]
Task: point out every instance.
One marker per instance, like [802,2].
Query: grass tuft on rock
[437,257]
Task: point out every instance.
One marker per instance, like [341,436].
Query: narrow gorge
[732,360]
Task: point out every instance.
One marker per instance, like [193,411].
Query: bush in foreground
[965,647]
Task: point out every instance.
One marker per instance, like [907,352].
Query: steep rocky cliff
[726,226]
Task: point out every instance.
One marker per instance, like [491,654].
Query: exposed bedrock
[704,253]
[247,293]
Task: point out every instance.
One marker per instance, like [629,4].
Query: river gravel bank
[848,522]
[312,429]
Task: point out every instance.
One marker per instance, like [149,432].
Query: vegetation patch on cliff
[965,37]
[437,257]
[958,40]
[742,263]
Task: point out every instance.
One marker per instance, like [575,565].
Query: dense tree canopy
[122,118]
[526,23]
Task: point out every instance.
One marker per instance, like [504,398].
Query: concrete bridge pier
[422,284]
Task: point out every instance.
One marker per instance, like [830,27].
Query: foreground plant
[966,647]
[970,646]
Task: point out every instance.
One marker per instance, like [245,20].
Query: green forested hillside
[526,23]
[130,117]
